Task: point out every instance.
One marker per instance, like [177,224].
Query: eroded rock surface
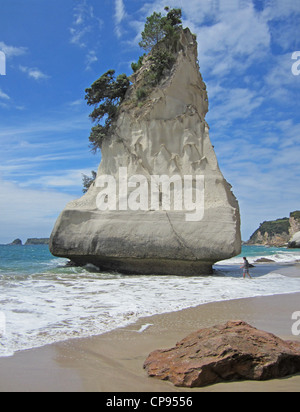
[166,135]
[295,241]
[228,352]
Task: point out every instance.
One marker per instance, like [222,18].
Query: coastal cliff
[278,232]
[37,241]
[164,135]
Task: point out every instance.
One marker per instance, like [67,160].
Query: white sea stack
[166,135]
[295,241]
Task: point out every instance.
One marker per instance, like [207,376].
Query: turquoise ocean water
[42,301]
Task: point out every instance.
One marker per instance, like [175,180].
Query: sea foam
[43,301]
[51,307]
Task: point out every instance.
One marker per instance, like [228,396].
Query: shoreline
[113,362]
[201,292]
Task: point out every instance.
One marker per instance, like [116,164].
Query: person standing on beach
[245,267]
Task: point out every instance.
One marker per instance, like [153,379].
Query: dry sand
[113,362]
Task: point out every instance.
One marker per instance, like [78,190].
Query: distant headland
[278,233]
[31,241]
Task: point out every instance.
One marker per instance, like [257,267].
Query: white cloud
[29,161]
[82,13]
[77,102]
[34,73]
[230,104]
[5,98]
[53,124]
[234,42]
[27,212]
[231,35]
[24,154]
[4,95]
[120,14]
[11,51]
[84,22]
[283,35]
[77,36]
[264,171]
[279,81]
[84,30]
[262,195]
[91,58]
[64,179]
[281,9]
[119,11]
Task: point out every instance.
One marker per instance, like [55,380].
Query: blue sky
[56,49]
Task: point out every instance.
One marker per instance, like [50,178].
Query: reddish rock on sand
[228,352]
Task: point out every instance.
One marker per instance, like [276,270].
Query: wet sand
[113,362]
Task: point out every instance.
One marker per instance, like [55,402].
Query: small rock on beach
[227,352]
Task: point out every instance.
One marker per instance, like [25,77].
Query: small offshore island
[31,241]
[158,129]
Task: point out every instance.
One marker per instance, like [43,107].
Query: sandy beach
[113,362]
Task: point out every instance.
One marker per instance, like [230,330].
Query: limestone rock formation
[278,232]
[228,352]
[165,135]
[295,241]
[294,222]
[271,233]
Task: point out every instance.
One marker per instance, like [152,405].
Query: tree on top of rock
[105,94]
[158,27]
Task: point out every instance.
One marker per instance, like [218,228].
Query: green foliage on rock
[88,181]
[161,61]
[105,94]
[159,27]
[141,93]
[136,66]
[153,31]
[161,34]
[296,214]
[273,227]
